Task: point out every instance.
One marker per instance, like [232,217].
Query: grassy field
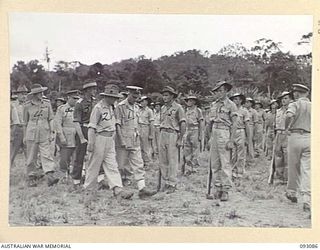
[253,204]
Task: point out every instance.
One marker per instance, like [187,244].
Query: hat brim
[241,96]
[39,90]
[227,85]
[168,91]
[110,95]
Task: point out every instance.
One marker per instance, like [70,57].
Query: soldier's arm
[117,114]
[182,121]
[289,116]
[95,117]
[151,126]
[26,120]
[77,120]
[58,122]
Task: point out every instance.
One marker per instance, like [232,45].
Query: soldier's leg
[145,145]
[195,148]
[305,169]
[65,158]
[95,162]
[285,158]
[47,162]
[259,139]
[163,156]
[278,157]
[110,165]
[122,157]
[32,155]
[187,151]
[250,149]
[81,150]
[136,164]
[294,152]
[241,153]
[16,144]
[156,141]
[173,155]
[224,155]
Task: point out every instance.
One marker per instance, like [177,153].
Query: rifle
[159,180]
[272,170]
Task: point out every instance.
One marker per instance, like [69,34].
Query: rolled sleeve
[292,108]
[95,117]
[233,110]
[181,115]
[200,115]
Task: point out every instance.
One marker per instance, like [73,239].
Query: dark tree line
[263,67]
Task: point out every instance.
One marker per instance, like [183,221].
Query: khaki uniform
[221,114]
[145,118]
[17,137]
[280,154]
[37,118]
[192,140]
[103,120]
[155,141]
[299,148]
[270,132]
[81,114]
[170,118]
[66,130]
[258,136]
[252,124]
[127,118]
[239,153]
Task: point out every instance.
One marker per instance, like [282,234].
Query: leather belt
[220,126]
[299,131]
[143,125]
[106,133]
[168,130]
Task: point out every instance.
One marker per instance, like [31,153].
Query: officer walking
[224,125]
[194,137]
[129,151]
[298,123]
[66,130]
[146,130]
[81,115]
[241,137]
[279,163]
[101,147]
[17,140]
[172,130]
[37,116]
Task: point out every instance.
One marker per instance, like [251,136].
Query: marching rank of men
[117,136]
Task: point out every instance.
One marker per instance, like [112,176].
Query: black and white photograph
[160,120]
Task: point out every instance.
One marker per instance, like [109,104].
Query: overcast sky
[106,38]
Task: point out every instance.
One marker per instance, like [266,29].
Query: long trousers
[16,144]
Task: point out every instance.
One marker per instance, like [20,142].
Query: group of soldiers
[114,137]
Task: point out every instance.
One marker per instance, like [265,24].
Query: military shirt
[171,116]
[281,118]
[14,117]
[20,107]
[253,116]
[145,116]
[261,115]
[194,116]
[64,124]
[157,118]
[37,117]
[270,120]
[222,111]
[127,117]
[102,117]
[301,109]
[82,111]
[243,117]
